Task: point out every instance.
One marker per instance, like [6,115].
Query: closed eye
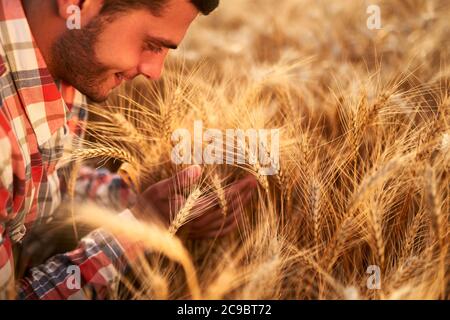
[157,45]
[153,48]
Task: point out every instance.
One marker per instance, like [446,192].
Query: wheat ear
[184,215]
[376,220]
[220,193]
[110,152]
[315,207]
[131,132]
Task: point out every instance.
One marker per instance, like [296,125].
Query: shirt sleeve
[6,257]
[94,268]
[92,271]
[102,187]
[6,176]
[98,185]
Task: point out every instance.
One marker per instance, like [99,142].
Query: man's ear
[87,9]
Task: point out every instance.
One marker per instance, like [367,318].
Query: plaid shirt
[37,120]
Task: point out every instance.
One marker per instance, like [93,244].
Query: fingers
[237,197]
[224,222]
[235,205]
[181,180]
[223,231]
[175,204]
[216,221]
[249,183]
[211,222]
[187,177]
[232,193]
[241,200]
[215,224]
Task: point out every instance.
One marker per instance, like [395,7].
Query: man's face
[98,57]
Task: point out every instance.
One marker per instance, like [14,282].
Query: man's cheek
[122,60]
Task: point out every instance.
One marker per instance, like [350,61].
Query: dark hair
[206,6]
[155,6]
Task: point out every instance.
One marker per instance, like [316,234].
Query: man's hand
[163,199]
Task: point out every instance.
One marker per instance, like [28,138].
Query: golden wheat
[364,155]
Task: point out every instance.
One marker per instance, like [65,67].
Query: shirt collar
[39,95]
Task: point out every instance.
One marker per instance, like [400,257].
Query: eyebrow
[161,42]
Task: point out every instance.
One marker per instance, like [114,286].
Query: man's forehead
[168,29]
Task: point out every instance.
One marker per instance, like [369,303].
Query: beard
[73,60]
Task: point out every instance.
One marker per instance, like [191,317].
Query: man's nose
[152,65]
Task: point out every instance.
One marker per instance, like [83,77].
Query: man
[46,69]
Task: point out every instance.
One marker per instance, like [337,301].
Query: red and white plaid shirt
[37,119]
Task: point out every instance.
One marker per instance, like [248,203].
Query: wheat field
[364,177]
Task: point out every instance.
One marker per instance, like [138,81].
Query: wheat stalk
[220,193]
[315,211]
[376,223]
[433,204]
[185,214]
[365,175]
[130,131]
